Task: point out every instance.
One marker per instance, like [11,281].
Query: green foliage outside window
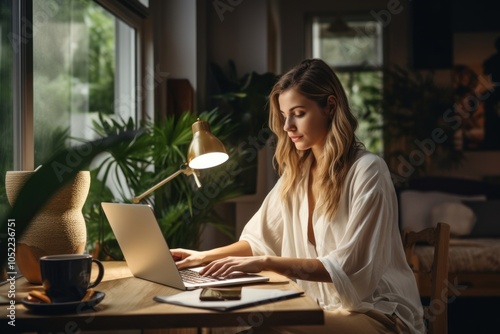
[364,91]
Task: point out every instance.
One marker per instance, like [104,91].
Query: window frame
[349,69]
[22,87]
[347,16]
[131,12]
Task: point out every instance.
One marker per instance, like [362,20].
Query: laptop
[148,255]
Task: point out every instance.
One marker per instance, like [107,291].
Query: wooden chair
[436,312]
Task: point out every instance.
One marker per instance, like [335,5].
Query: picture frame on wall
[476,88]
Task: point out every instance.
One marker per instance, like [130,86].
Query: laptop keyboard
[193,277]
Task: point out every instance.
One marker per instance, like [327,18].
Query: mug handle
[100,275]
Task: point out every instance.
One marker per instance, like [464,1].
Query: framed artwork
[476,88]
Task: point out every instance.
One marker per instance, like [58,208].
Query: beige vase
[59,228]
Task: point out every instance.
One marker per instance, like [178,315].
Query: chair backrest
[436,311]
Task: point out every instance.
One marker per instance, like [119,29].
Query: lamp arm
[160,184]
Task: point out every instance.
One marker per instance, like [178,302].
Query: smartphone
[218,294]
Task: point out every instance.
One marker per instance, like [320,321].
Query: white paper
[249,297]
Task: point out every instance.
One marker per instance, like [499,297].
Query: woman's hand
[296,268]
[226,266]
[187,258]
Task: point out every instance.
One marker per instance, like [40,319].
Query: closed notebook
[249,297]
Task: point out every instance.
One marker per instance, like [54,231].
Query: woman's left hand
[224,267]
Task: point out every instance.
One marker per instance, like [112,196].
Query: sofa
[472,209]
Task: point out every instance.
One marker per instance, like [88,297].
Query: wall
[238,32]
[177,19]
[180,44]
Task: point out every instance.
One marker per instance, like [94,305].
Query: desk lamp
[205,151]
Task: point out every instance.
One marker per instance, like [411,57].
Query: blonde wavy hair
[314,79]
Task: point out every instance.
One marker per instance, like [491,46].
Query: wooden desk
[129,304]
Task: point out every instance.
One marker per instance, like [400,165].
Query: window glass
[348,43]
[6,102]
[364,91]
[77,71]
[353,48]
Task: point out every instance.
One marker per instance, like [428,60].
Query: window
[62,62]
[75,71]
[353,48]
[6,101]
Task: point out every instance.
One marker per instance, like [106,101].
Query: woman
[330,222]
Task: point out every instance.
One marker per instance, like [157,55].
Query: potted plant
[130,168]
[416,133]
[245,99]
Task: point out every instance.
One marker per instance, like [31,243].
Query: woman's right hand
[190,258]
[187,258]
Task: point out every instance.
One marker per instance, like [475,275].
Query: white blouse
[361,247]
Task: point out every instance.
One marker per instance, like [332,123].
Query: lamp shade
[205,150]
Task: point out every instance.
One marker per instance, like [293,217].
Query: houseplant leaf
[52,175]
